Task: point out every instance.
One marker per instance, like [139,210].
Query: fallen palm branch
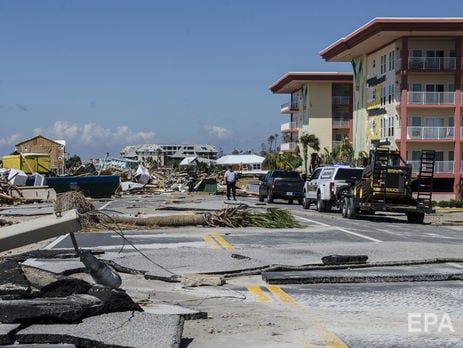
[239,216]
[231,217]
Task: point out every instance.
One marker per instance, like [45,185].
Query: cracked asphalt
[248,308]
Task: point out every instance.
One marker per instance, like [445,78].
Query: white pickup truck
[324,184]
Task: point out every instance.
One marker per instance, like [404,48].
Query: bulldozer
[386,185]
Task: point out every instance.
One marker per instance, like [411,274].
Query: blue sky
[102,74]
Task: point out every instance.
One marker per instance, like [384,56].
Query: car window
[348,173]
[327,173]
[316,174]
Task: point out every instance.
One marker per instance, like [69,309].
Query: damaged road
[207,287]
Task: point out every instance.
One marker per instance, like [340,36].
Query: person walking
[230,179]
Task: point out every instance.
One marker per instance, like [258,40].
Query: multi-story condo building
[320,104]
[408,90]
[164,153]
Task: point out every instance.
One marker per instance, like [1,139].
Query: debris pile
[32,296]
[11,193]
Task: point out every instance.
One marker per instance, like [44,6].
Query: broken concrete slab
[423,272]
[68,309]
[28,210]
[13,283]
[167,308]
[56,266]
[43,193]
[122,329]
[195,279]
[184,260]
[39,229]
[7,332]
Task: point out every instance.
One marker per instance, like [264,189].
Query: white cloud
[11,140]
[219,132]
[93,134]
[91,137]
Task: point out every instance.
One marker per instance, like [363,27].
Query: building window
[391,126]
[391,61]
[383,64]
[383,96]
[391,94]
[382,127]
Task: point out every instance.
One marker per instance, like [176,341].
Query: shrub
[443,204]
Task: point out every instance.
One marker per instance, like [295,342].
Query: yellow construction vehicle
[386,185]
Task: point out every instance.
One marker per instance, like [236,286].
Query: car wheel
[290,201]
[350,213]
[261,198]
[320,204]
[299,201]
[269,196]
[415,218]
[344,207]
[305,203]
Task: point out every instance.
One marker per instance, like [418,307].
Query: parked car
[281,184]
[324,186]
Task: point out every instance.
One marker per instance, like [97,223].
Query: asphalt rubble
[49,299]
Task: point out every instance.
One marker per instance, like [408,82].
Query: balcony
[289,127]
[340,123]
[431,63]
[440,167]
[430,98]
[431,133]
[289,107]
[340,100]
[288,147]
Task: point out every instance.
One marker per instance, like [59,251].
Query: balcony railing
[340,100]
[440,167]
[340,123]
[431,133]
[431,98]
[288,147]
[289,127]
[431,63]
[289,106]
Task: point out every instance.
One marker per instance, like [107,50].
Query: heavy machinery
[386,185]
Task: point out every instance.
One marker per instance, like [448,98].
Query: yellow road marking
[210,241]
[222,241]
[258,293]
[280,294]
[328,337]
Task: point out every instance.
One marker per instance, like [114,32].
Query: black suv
[282,184]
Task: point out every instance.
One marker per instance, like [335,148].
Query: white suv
[324,184]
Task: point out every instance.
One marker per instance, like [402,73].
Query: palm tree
[362,159]
[276,138]
[346,151]
[309,141]
[327,156]
[270,141]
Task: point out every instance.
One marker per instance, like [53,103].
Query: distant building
[320,104]
[113,162]
[243,164]
[54,148]
[164,153]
